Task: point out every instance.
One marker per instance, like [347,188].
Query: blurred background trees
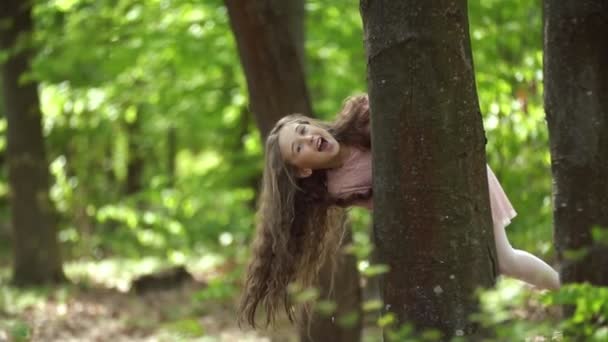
[157,87]
[154,153]
[37,258]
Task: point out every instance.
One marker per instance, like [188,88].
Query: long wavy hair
[298,223]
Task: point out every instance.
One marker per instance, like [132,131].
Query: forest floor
[99,314]
[98,306]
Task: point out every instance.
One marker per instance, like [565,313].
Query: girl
[312,171]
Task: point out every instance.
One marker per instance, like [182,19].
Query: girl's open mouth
[321,144]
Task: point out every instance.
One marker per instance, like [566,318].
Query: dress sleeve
[502,210]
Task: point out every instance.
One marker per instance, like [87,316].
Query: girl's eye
[298,148]
[303,130]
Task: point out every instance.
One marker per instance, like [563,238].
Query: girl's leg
[521,264]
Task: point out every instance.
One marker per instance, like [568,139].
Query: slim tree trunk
[269,55]
[432,218]
[576,102]
[135,164]
[270,39]
[37,257]
[342,288]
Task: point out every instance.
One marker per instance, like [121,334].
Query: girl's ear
[303,173]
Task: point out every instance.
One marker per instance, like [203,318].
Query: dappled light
[132,167]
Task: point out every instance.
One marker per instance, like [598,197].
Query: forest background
[155,158]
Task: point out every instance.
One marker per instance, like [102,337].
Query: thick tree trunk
[432,218]
[36,250]
[270,39]
[275,77]
[576,102]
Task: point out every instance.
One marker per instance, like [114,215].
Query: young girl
[313,170]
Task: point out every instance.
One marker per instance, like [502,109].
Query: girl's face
[308,147]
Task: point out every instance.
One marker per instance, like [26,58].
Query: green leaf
[307,295]
[326,307]
[386,320]
[375,270]
[349,319]
[372,305]
[600,235]
[576,254]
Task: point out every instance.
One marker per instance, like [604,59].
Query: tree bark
[576,84]
[432,219]
[37,257]
[295,12]
[270,39]
[342,288]
[135,164]
[269,55]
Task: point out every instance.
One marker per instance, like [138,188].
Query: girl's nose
[307,139]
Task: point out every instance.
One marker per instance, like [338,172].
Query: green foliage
[589,307]
[502,309]
[576,312]
[600,235]
[112,272]
[336,62]
[118,78]
[19,331]
[507,51]
[372,305]
[161,82]
[185,329]
[348,319]
[325,307]
[220,288]
[115,82]
[405,332]
[300,295]
[13,300]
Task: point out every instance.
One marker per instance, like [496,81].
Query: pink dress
[355,176]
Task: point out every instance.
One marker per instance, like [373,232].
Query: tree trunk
[342,288]
[576,85]
[270,39]
[432,219]
[135,164]
[295,12]
[275,77]
[37,257]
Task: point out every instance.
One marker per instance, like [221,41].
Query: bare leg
[523,265]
